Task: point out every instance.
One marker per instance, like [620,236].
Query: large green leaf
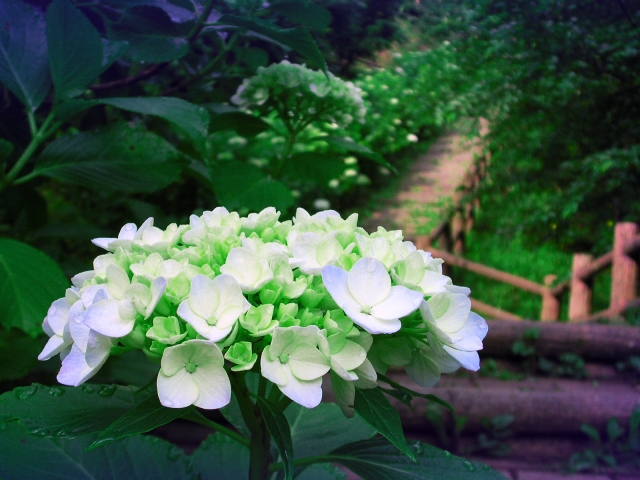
[192,119]
[25,456]
[29,282]
[298,39]
[238,184]
[221,458]
[75,49]
[319,430]
[117,157]
[151,34]
[377,459]
[278,427]
[244,124]
[18,354]
[146,416]
[375,409]
[24,68]
[321,471]
[350,146]
[311,15]
[314,167]
[66,411]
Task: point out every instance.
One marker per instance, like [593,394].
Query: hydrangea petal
[469,360]
[400,303]
[103,317]
[307,393]
[178,390]
[272,369]
[306,362]
[213,384]
[369,282]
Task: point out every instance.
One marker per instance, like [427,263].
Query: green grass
[514,255]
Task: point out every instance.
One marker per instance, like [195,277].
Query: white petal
[58,315]
[335,279]
[351,356]
[98,349]
[103,317]
[367,377]
[272,369]
[118,281]
[158,287]
[371,324]
[400,303]
[369,282]
[177,391]
[54,346]
[74,370]
[469,360]
[306,393]
[423,370]
[306,362]
[204,297]
[103,242]
[214,386]
[128,232]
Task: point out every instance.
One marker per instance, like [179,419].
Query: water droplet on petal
[53,311]
[128,227]
[98,263]
[483,327]
[371,266]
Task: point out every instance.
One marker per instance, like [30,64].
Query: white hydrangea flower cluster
[301,95]
[292,300]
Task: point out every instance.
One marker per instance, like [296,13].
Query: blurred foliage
[560,85]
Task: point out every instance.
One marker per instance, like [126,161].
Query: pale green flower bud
[240,353]
[258,321]
[166,330]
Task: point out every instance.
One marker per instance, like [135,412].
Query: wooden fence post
[580,297]
[550,303]
[624,272]
[444,243]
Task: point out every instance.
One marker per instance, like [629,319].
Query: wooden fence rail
[623,259]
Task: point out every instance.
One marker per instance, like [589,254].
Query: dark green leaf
[29,282]
[24,67]
[375,409]
[75,49]
[319,430]
[244,124]
[117,157]
[192,119]
[614,430]
[321,471]
[351,146]
[18,354]
[64,111]
[135,458]
[221,458]
[238,184]
[66,411]
[318,168]
[311,15]
[280,431]
[402,390]
[399,395]
[234,416]
[591,431]
[146,416]
[151,34]
[377,459]
[298,39]
[252,57]
[112,50]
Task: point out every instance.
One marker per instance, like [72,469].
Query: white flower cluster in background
[293,300]
[301,95]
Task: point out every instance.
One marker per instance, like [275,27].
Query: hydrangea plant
[291,301]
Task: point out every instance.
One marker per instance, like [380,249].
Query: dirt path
[428,186]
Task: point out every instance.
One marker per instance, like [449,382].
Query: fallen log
[540,406]
[590,341]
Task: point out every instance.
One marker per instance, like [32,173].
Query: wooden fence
[623,259]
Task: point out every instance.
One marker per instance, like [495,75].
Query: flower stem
[260,443]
